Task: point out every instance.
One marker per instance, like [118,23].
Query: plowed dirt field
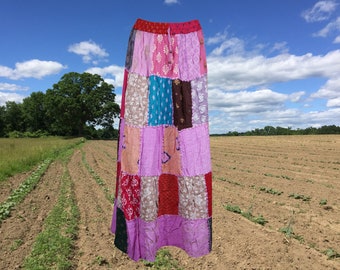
[292,183]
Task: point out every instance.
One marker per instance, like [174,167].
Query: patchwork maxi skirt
[164,180]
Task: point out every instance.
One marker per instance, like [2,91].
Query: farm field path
[248,172]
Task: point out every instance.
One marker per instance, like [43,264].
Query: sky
[270,63]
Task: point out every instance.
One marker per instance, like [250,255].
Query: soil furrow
[18,233]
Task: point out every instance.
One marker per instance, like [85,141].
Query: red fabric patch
[208,182]
[117,178]
[130,195]
[168,195]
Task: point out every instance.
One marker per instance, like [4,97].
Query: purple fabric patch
[114,219]
[196,238]
[134,249]
[151,151]
[189,56]
[195,150]
[142,53]
[190,235]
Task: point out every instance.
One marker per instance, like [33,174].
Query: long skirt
[164,181]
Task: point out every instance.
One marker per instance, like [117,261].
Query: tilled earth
[249,172]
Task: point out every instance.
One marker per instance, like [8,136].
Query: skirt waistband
[164,27]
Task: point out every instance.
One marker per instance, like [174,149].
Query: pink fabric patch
[142,53]
[151,150]
[195,150]
[130,150]
[165,56]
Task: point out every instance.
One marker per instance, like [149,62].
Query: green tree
[14,118]
[2,120]
[80,100]
[34,111]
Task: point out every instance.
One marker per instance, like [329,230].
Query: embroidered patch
[199,96]
[149,198]
[136,99]
[193,199]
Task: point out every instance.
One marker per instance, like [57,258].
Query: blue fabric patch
[160,101]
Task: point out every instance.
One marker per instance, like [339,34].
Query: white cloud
[337,40]
[335,102]
[115,72]
[230,46]
[320,11]
[240,72]
[234,72]
[218,38]
[330,91]
[330,27]
[246,102]
[12,87]
[89,50]
[171,2]
[4,97]
[31,69]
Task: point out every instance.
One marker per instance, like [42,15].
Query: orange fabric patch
[131,150]
[171,157]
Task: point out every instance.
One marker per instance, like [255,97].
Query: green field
[20,155]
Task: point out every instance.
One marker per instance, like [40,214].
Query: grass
[289,232]
[300,197]
[331,253]
[247,214]
[53,247]
[19,155]
[19,194]
[270,191]
[164,260]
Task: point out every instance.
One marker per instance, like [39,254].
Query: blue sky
[269,62]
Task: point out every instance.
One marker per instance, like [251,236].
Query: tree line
[270,131]
[78,105]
